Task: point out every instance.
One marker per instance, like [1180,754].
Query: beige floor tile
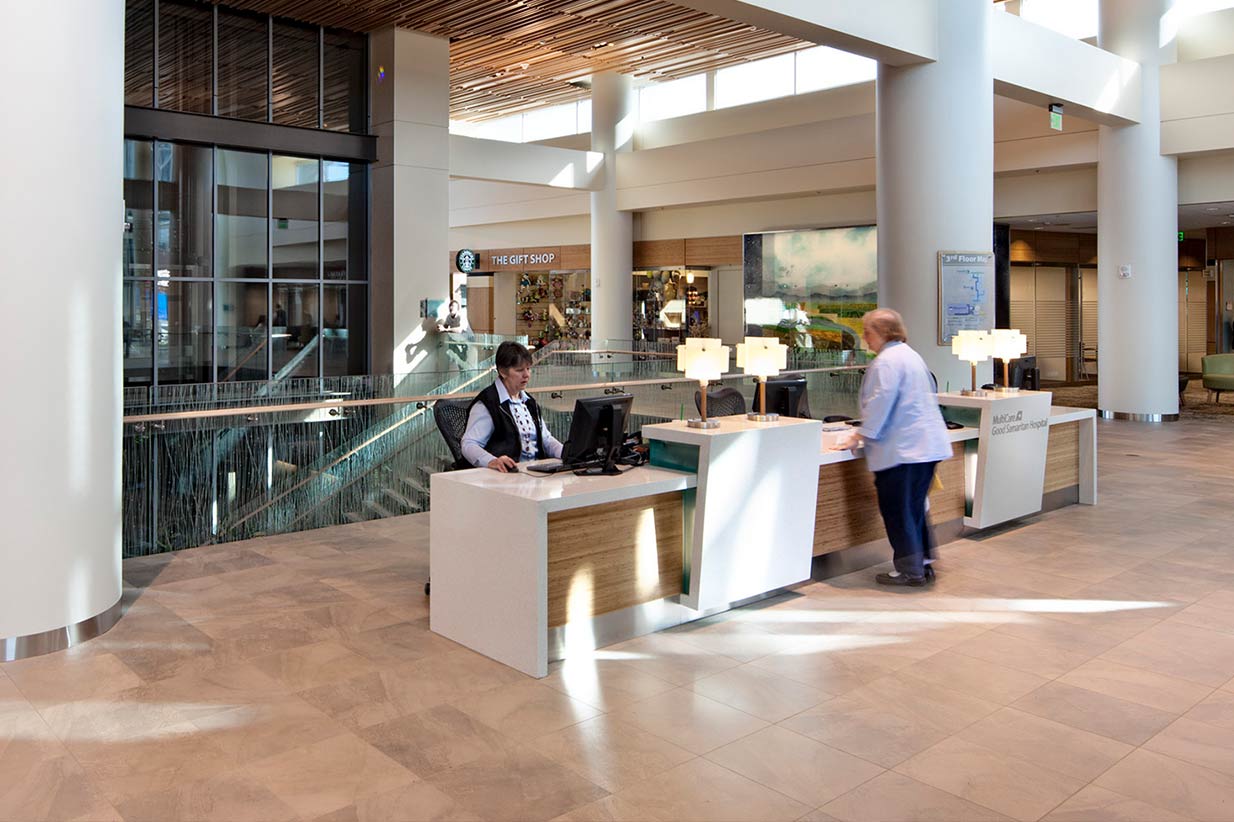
[608,809]
[1004,783]
[131,716]
[1045,659]
[328,775]
[736,639]
[1198,743]
[1217,710]
[1197,654]
[874,731]
[973,676]
[1093,804]
[516,784]
[668,658]
[947,709]
[435,740]
[1205,616]
[35,786]
[312,665]
[229,797]
[124,769]
[610,753]
[702,790]
[605,684]
[261,730]
[65,676]
[1052,745]
[759,692]
[1091,642]
[417,802]
[1165,693]
[406,688]
[794,765]
[893,797]
[689,720]
[1183,788]
[1119,719]
[1223,599]
[212,690]
[525,710]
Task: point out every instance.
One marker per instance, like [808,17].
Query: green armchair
[1218,373]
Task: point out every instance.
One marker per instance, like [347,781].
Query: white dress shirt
[900,420]
[480,430]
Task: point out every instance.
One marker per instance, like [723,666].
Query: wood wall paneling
[575,257]
[713,251]
[1062,458]
[1221,243]
[846,514]
[1022,247]
[600,557]
[1191,253]
[659,253]
[1088,249]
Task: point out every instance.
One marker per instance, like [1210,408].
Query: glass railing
[203,466]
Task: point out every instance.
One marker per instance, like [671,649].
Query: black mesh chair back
[451,419]
[722,402]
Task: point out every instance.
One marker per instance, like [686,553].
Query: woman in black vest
[504,425]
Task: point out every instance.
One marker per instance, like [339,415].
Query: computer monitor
[786,396]
[1024,373]
[596,433]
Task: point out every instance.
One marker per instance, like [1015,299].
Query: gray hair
[887,324]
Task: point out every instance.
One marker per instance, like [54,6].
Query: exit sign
[1180,236]
[1056,116]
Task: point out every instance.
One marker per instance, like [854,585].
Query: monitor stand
[607,469]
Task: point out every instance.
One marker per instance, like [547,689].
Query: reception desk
[527,569]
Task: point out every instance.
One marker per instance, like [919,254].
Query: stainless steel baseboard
[1130,417]
[57,639]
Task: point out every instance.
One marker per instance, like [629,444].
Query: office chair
[722,402]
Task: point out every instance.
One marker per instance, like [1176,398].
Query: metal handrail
[427,398]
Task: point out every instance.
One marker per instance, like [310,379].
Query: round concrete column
[61,228]
[1137,225]
[612,232]
[936,176]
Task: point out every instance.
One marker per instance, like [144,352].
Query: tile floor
[1078,667]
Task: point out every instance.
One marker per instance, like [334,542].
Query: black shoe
[929,573]
[900,579]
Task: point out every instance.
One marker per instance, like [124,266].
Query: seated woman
[504,426]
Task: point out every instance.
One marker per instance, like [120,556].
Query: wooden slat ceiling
[508,56]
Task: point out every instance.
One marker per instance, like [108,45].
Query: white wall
[61,214]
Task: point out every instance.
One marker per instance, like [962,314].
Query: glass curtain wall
[242,265]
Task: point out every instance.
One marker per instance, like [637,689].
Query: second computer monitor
[786,396]
[597,432]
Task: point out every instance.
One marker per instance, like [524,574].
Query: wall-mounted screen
[811,288]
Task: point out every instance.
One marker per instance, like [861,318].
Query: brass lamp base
[1006,389]
[972,392]
[762,417]
[703,423]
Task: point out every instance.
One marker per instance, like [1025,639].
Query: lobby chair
[1217,372]
[722,402]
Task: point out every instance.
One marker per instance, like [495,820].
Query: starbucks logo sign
[466,260]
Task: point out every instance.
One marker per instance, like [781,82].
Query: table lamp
[973,346]
[703,359]
[762,357]
[1007,344]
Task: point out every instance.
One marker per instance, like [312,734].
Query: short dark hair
[511,355]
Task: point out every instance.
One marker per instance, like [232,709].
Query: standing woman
[905,438]
[504,425]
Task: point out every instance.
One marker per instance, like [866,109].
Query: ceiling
[1192,217]
[510,55]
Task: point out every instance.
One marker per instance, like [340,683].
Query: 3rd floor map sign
[965,286]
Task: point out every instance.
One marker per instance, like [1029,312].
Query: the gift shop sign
[513,259]
[524,260]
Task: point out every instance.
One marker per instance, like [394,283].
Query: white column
[613,115]
[1137,225]
[61,226]
[410,90]
[936,176]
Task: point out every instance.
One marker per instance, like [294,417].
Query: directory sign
[965,292]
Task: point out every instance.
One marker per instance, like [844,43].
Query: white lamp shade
[971,345]
[1007,344]
[702,358]
[762,357]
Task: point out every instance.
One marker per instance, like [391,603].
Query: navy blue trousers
[902,494]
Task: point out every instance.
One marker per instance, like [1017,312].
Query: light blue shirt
[480,430]
[900,420]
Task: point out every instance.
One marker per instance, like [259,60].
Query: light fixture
[703,359]
[762,357]
[690,278]
[1007,344]
[972,346]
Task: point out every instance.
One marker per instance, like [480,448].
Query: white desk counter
[611,542]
